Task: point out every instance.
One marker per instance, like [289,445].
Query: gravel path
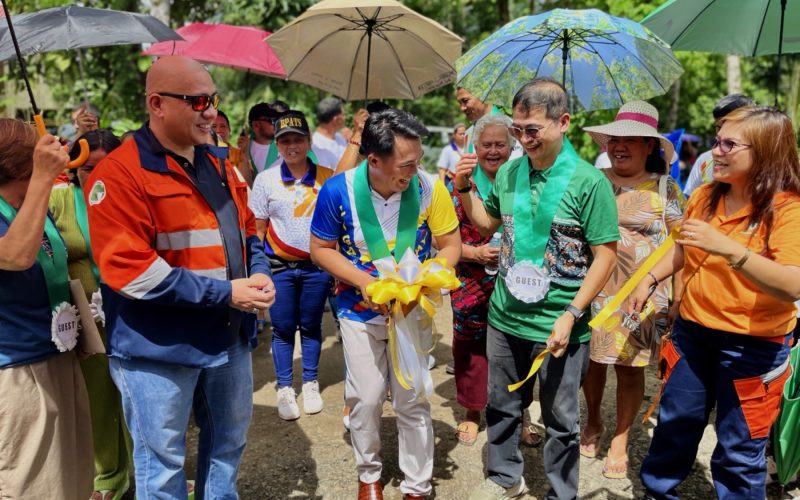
[311,458]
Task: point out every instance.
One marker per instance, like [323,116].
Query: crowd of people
[184,243]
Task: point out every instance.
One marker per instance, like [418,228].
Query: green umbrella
[786,431]
[749,27]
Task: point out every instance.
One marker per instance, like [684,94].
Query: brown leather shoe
[370,491]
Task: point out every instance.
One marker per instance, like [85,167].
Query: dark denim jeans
[743,376]
[510,359]
[300,295]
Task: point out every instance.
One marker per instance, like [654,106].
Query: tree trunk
[672,118]
[794,95]
[160,9]
[503,11]
[734,75]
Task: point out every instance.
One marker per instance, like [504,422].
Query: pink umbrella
[239,47]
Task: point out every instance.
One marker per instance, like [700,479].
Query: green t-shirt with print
[587,215]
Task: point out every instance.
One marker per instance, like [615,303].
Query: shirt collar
[309,178]
[148,139]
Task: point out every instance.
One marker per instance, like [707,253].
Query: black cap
[291,122]
[261,110]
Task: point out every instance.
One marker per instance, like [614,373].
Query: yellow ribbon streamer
[615,303]
[396,291]
[537,363]
[427,282]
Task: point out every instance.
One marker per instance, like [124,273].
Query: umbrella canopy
[786,430]
[73,27]
[750,28]
[602,60]
[239,47]
[367,49]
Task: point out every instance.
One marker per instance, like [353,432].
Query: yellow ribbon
[537,363]
[427,282]
[396,291]
[615,303]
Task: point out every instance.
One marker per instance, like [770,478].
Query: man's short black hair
[376,106]
[381,129]
[542,92]
[328,109]
[730,103]
[261,110]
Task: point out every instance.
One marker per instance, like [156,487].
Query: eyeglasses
[727,145]
[199,103]
[532,132]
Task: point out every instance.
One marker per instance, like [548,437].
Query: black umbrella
[73,27]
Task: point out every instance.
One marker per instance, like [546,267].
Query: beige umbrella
[367,49]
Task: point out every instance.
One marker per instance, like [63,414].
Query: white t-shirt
[258,153]
[335,146]
[449,157]
[602,161]
[700,174]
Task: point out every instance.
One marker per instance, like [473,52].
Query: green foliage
[114,76]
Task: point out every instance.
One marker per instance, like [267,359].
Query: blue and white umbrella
[602,60]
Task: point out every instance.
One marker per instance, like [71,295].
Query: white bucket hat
[634,119]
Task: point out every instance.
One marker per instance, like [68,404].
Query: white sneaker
[312,401]
[287,404]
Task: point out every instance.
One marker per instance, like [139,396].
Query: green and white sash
[371,228]
[528,280]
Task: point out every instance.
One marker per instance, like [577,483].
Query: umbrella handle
[83,144]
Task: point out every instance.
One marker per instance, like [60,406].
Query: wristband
[738,264]
[655,280]
[354,143]
[466,189]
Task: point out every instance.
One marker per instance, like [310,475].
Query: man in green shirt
[560,231]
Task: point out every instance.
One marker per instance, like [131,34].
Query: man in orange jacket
[183,274]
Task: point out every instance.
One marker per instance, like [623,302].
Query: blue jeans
[157,399]
[510,358]
[300,295]
[743,376]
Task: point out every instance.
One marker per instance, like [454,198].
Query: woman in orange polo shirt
[740,251]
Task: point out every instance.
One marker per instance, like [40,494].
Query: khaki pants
[369,370]
[45,431]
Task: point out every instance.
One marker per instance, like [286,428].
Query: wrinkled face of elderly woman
[493,148]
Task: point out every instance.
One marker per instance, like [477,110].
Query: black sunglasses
[199,103]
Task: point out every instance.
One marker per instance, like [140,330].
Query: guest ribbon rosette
[418,284]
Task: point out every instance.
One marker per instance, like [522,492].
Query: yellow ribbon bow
[400,285]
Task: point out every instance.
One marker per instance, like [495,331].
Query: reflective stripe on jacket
[159,248]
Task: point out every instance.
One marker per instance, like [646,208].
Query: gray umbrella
[73,27]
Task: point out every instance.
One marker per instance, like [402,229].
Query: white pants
[369,368]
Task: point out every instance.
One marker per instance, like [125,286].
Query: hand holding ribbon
[401,287]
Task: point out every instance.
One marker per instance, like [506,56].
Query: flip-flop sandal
[616,468]
[590,444]
[530,437]
[468,429]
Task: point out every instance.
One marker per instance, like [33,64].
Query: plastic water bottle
[496,242]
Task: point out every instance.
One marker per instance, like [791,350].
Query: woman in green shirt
[112,446]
